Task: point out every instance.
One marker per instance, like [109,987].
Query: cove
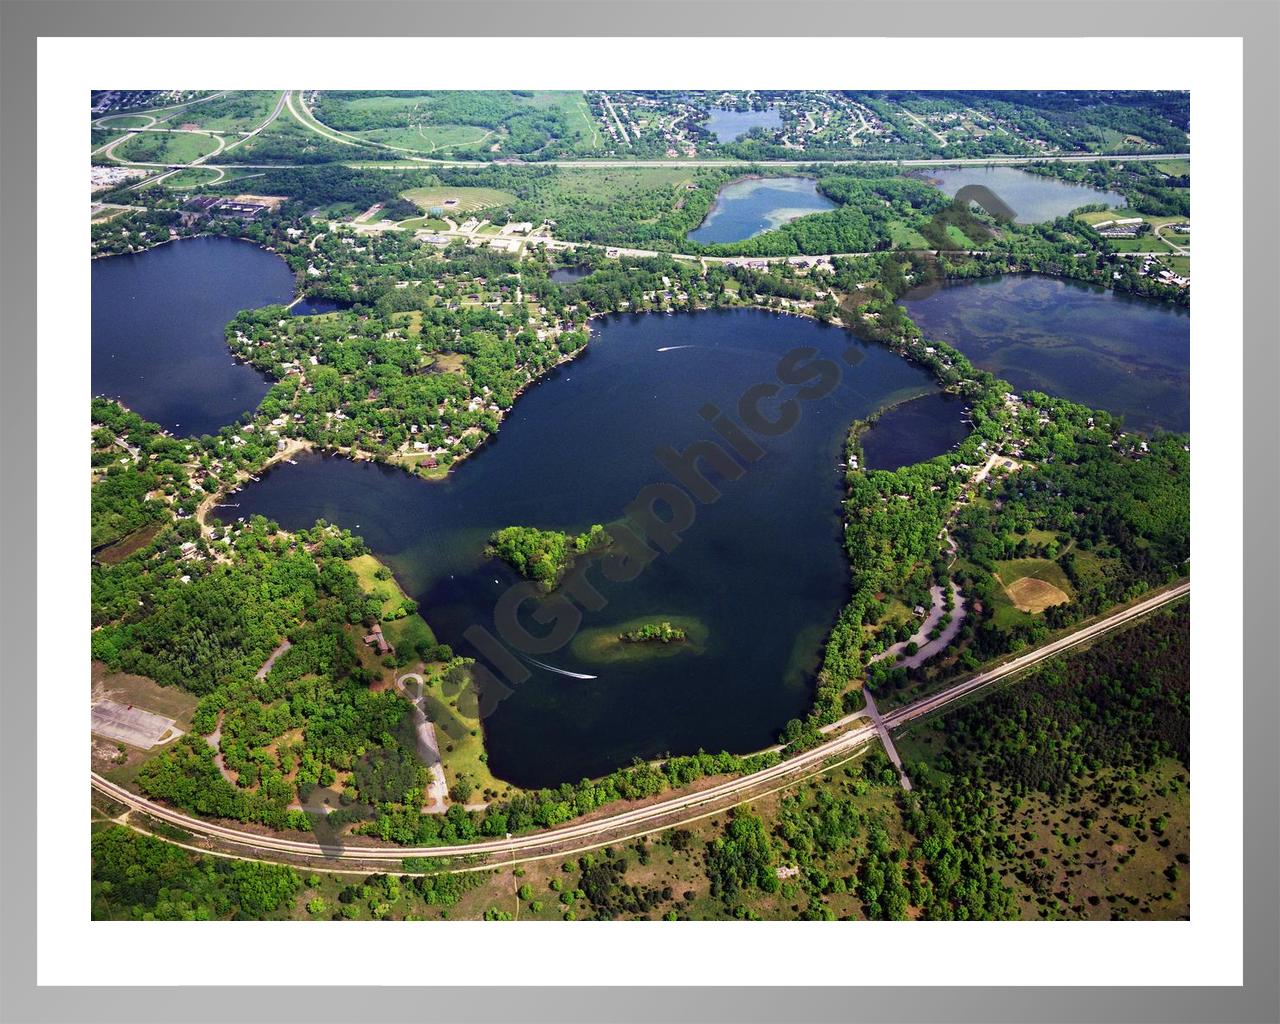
[761,569]
[1034,198]
[158,329]
[1130,356]
[915,431]
[311,306]
[751,206]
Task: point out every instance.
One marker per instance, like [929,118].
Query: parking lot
[132,725]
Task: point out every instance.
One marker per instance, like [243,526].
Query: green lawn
[463,756]
[905,237]
[235,112]
[197,177]
[365,567]
[165,147]
[468,199]
[1176,168]
[424,223]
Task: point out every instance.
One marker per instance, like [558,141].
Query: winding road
[848,734]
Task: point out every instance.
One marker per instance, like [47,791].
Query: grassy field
[464,755]
[196,177]
[467,199]
[424,224]
[104,215]
[365,567]
[905,237]
[233,113]
[431,138]
[1034,584]
[126,121]
[612,182]
[165,147]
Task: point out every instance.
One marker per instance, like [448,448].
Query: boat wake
[558,671]
[673,348]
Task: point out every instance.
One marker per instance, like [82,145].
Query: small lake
[762,568]
[728,125]
[315,306]
[751,206]
[567,275]
[158,329]
[1033,198]
[1127,355]
[915,431]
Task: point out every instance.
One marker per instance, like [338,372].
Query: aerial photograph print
[623,505]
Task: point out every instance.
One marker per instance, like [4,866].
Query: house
[377,641]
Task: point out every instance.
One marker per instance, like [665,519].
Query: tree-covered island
[654,632]
[544,556]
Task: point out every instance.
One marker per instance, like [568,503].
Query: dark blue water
[762,567]
[1127,355]
[313,306]
[158,323]
[748,207]
[567,275]
[1032,197]
[727,125]
[915,431]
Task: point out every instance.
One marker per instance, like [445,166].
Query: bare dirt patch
[1032,595]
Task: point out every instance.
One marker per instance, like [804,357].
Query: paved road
[926,648]
[417,163]
[886,741]
[679,807]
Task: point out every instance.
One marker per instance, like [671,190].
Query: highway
[418,163]
[848,735]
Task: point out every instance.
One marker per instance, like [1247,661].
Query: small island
[654,632]
[640,639]
[544,556]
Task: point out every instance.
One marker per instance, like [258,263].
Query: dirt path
[428,747]
[267,665]
[214,739]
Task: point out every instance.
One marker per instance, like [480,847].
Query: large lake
[1128,355]
[727,125]
[1034,198]
[158,329]
[761,568]
[751,206]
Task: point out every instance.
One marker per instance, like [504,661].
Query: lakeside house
[377,641]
